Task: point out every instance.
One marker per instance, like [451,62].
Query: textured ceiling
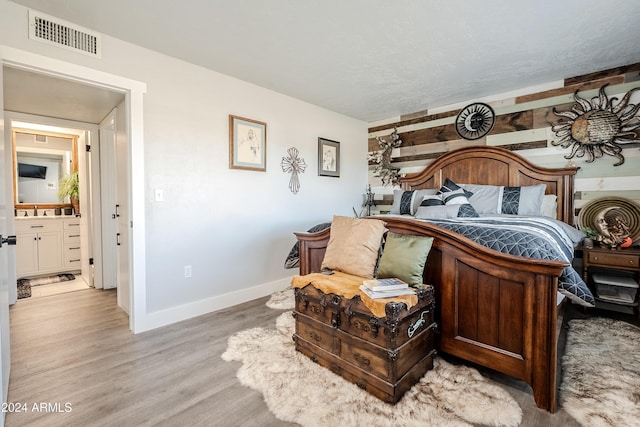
[375,59]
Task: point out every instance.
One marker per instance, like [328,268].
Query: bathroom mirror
[40,160]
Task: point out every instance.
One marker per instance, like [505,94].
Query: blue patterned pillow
[407,202]
[432,200]
[453,194]
[467,211]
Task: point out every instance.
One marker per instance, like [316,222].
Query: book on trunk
[384,285]
[386,294]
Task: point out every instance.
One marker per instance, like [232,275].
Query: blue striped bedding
[527,236]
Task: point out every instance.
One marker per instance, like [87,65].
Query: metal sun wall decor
[293,164]
[382,159]
[596,127]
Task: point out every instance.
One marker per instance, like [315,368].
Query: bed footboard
[496,310]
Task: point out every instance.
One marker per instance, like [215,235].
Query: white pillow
[439,212]
[484,198]
[497,199]
[522,200]
[550,206]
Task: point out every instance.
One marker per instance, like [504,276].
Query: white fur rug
[298,390]
[601,373]
[282,300]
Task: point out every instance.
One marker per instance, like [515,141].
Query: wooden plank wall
[523,124]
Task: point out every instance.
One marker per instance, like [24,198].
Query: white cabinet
[71,243]
[42,243]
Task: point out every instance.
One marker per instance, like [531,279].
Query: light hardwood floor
[76,348]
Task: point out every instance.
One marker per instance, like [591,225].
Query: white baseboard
[171,315]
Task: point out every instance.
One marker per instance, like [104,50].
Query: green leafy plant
[69,186]
[589,233]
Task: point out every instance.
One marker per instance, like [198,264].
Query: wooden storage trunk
[383,355]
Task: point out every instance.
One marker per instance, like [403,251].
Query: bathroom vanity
[47,244]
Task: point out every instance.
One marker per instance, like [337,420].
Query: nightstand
[613,276]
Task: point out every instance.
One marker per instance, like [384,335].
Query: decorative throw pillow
[293,259]
[353,245]
[437,212]
[407,202]
[453,194]
[404,257]
[466,210]
[446,212]
[432,200]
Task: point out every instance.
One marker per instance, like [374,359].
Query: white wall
[234,227]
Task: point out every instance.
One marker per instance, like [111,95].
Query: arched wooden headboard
[496,166]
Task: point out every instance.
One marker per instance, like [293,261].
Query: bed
[494,309]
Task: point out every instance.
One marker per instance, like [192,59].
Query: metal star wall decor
[598,126]
[293,164]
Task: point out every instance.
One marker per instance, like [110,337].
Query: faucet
[35,210]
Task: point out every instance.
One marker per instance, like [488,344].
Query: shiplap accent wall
[523,124]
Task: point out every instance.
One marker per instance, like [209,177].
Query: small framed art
[328,157]
[247,144]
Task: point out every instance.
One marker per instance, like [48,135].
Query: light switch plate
[159,195]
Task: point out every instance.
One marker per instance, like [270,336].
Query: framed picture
[328,157]
[247,144]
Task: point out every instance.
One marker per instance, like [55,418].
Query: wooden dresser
[385,356]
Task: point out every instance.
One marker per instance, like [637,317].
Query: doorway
[133,92]
[61,150]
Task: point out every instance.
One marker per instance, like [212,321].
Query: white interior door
[84,169]
[96,210]
[5,359]
[124,210]
[109,221]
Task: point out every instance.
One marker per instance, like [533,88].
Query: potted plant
[69,186]
[590,236]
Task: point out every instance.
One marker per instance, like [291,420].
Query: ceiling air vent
[59,33]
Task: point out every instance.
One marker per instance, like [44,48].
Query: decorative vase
[75,202]
[587,243]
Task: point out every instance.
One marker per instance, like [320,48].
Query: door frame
[134,91]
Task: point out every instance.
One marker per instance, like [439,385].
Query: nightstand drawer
[614,259]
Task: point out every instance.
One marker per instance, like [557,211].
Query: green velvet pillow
[404,257]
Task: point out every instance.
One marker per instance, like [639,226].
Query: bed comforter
[532,237]
[527,236]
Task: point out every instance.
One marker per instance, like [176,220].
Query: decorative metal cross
[293,164]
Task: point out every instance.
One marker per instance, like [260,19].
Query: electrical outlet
[187,271]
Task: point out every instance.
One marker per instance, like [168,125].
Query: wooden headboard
[496,166]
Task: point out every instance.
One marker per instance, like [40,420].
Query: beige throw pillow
[353,245]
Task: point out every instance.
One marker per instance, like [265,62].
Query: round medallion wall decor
[475,121]
[628,210]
